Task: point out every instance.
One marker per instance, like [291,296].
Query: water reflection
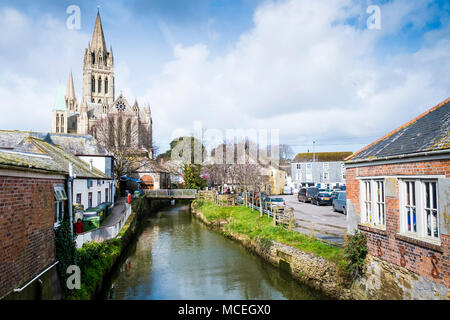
[176,257]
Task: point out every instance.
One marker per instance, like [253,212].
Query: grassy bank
[246,221]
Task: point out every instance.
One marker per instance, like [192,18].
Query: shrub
[355,253]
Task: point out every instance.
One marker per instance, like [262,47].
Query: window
[93,84]
[308,166]
[299,166]
[373,210]
[419,208]
[99,86]
[99,197]
[90,200]
[379,202]
[367,201]
[430,209]
[62,123]
[107,195]
[79,198]
[90,183]
[60,198]
[410,206]
[106,85]
[326,176]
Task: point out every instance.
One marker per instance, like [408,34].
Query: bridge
[171,194]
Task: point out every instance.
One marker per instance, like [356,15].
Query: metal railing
[171,193]
[104,233]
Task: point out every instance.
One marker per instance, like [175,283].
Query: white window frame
[59,213]
[371,203]
[421,209]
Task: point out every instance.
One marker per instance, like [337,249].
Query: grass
[248,222]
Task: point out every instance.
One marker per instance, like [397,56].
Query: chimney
[91,166]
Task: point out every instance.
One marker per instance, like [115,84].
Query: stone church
[99,106]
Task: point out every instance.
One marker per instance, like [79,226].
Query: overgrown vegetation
[247,221]
[94,260]
[355,253]
[65,252]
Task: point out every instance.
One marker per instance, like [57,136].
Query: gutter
[40,274]
[400,156]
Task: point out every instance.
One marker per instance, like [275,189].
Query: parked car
[322,198]
[340,202]
[306,194]
[274,203]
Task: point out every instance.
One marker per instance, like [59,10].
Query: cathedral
[98,106]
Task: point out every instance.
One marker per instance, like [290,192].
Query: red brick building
[27,220]
[33,203]
[398,193]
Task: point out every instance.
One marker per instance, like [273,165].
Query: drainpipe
[69,189]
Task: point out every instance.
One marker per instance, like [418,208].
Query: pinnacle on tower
[70,91]
[98,38]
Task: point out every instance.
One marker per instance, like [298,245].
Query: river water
[177,257]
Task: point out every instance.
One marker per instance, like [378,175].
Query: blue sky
[311,69]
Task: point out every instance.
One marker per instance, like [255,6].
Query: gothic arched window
[93,57]
[99,88]
[93,84]
[106,85]
[57,123]
[119,132]
[62,123]
[128,132]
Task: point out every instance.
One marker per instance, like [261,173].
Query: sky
[313,70]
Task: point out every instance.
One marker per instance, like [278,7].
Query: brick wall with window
[27,210]
[402,215]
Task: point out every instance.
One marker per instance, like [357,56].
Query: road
[328,224]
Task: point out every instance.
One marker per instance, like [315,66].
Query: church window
[119,132]
[93,85]
[57,123]
[62,124]
[111,125]
[128,132]
[105,109]
[93,58]
[99,88]
[106,85]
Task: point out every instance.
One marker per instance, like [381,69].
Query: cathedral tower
[98,69]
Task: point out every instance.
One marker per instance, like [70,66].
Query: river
[177,257]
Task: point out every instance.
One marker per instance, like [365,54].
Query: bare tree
[127,140]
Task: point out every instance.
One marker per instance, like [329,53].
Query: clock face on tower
[120,106]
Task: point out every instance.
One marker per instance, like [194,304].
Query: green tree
[192,178]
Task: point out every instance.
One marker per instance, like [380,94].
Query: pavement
[117,212]
[328,225]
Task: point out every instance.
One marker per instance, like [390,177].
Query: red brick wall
[417,255]
[26,229]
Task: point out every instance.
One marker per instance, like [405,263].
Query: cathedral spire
[98,38]
[70,91]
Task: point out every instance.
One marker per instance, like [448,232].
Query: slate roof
[29,161]
[321,156]
[35,154]
[75,144]
[426,133]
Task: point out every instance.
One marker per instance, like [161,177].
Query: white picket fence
[103,233]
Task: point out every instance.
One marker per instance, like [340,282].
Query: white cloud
[302,69]
[35,55]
